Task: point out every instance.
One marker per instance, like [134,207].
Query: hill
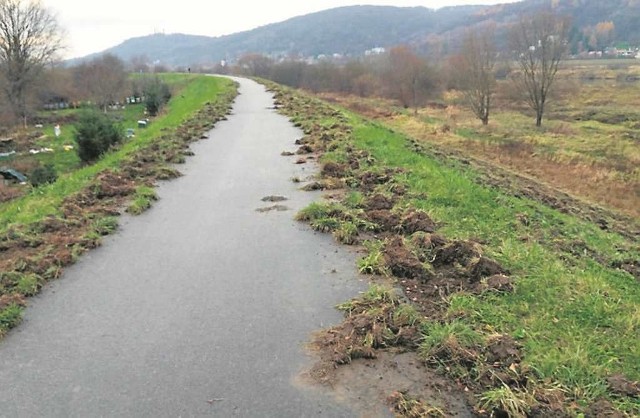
[352,30]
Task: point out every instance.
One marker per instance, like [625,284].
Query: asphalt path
[199,307]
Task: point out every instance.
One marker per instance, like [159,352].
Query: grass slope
[575,314]
[579,321]
[46,200]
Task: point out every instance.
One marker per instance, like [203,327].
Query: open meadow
[588,146]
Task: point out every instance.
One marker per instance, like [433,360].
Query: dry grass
[589,145]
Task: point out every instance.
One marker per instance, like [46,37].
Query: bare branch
[540,44]
[29,40]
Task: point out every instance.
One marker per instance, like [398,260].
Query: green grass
[515,403]
[373,262]
[10,316]
[576,317]
[579,321]
[142,200]
[46,200]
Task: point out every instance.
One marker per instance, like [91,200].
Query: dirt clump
[630,266]
[369,179]
[332,169]
[274,198]
[402,262]
[457,252]
[623,386]
[602,408]
[485,267]
[304,149]
[379,202]
[12,299]
[51,224]
[110,184]
[370,324]
[386,220]
[277,208]
[549,404]
[497,283]
[503,351]
[313,186]
[417,221]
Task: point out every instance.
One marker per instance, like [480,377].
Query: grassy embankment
[46,200]
[571,318]
[50,227]
[588,145]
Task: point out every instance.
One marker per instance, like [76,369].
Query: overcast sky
[95,25]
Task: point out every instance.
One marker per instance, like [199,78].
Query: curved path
[199,307]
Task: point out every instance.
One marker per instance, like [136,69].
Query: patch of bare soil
[379,202]
[385,220]
[623,386]
[372,386]
[402,262]
[417,221]
[603,409]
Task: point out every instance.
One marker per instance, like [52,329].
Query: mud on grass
[378,340]
[484,295]
[32,254]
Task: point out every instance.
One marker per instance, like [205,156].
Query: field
[50,226]
[527,300]
[589,145]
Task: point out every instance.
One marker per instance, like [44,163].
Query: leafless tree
[540,42]
[408,77]
[139,64]
[102,80]
[29,39]
[255,65]
[474,71]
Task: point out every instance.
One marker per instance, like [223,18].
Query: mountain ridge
[352,30]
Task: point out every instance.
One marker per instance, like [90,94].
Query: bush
[95,134]
[43,175]
[156,93]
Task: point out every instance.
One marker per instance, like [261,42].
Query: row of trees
[30,39]
[400,74]
[537,44]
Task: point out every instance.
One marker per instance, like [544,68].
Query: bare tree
[102,80]
[474,71]
[29,39]
[408,77]
[255,65]
[540,42]
[139,64]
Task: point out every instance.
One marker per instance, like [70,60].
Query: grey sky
[93,26]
